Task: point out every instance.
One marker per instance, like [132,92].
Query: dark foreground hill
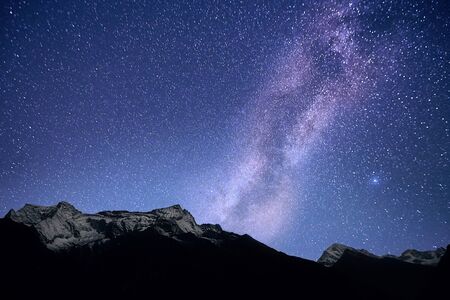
[59,252]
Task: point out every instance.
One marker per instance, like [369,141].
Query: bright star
[375,180]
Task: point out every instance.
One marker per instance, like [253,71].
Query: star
[375,180]
[281,121]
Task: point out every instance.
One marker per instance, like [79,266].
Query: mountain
[62,226]
[58,251]
[431,258]
[412,275]
[335,252]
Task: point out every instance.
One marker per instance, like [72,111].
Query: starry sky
[299,122]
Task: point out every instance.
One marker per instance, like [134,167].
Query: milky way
[317,75]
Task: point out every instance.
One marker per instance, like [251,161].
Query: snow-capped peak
[34,214]
[431,257]
[334,253]
[62,226]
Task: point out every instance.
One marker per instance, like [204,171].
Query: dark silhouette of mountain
[59,252]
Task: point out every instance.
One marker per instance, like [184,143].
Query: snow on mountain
[334,253]
[63,226]
[423,257]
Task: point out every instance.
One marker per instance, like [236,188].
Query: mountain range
[334,253]
[58,251]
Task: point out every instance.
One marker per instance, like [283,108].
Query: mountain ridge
[119,254]
[63,226]
[335,252]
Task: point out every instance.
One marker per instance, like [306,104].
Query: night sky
[302,124]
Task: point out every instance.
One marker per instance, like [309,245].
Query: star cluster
[301,123]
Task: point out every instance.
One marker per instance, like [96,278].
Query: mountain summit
[50,250]
[335,252]
[63,226]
